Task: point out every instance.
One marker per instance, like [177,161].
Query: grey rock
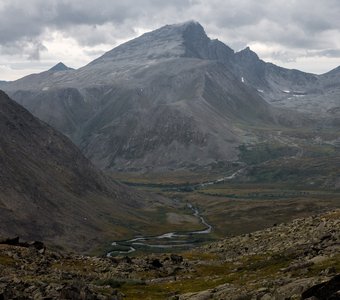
[326,290]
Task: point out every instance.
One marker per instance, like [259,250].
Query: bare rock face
[49,191]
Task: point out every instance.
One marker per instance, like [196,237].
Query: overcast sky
[36,34]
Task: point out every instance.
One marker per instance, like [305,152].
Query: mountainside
[169,99]
[186,117]
[49,191]
[298,260]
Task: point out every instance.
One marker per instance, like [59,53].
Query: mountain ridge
[290,88]
[109,107]
[190,31]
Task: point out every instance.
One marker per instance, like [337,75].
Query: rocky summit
[297,260]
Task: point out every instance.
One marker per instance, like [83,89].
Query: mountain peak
[60,67]
[186,29]
[188,25]
[184,24]
[187,39]
[247,54]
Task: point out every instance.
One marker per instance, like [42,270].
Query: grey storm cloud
[23,22]
[21,19]
[292,24]
[327,53]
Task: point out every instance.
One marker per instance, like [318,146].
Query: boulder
[329,290]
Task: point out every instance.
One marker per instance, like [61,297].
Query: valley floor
[283,175]
[234,207]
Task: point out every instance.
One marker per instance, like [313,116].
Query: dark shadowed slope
[50,191]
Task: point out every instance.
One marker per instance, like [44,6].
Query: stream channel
[170,240]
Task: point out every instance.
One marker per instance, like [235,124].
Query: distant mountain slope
[49,191]
[293,89]
[168,99]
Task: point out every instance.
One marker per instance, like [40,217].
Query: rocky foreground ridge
[299,260]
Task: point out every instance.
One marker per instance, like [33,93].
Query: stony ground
[286,261]
[281,262]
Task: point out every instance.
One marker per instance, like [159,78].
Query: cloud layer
[288,31]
